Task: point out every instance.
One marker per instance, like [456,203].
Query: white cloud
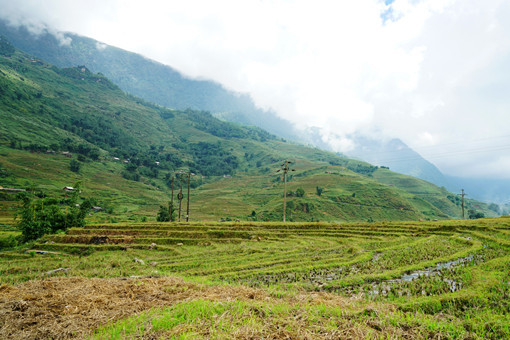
[431,72]
[100,46]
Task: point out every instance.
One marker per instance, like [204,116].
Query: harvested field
[448,279]
[72,307]
[62,308]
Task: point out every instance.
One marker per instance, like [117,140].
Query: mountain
[145,78]
[485,189]
[62,125]
[165,86]
[392,153]
[399,157]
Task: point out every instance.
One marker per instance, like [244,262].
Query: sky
[434,73]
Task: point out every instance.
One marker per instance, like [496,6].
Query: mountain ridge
[166,86]
[46,110]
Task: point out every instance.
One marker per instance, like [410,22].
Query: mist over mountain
[399,157]
[165,86]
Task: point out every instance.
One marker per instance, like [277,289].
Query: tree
[6,49]
[94,154]
[74,165]
[473,214]
[165,214]
[131,166]
[300,192]
[40,216]
[290,207]
[319,191]
[494,207]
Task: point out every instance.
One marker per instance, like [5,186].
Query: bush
[319,191]
[166,214]
[473,214]
[300,192]
[48,215]
[8,242]
[74,165]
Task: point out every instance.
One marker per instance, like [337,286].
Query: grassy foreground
[448,279]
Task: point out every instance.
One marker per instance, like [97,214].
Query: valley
[126,151]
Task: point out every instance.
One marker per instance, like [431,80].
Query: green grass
[347,196]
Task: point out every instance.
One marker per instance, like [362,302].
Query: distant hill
[62,125]
[399,157]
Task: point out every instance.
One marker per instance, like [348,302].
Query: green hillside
[60,126]
[165,86]
[147,79]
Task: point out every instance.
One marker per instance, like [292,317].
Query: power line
[463,142]
[473,149]
[435,156]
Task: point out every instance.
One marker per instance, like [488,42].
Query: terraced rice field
[422,279]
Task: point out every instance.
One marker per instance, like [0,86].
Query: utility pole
[180,197]
[187,207]
[285,168]
[463,194]
[172,202]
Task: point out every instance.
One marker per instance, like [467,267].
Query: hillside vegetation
[163,85]
[147,79]
[61,126]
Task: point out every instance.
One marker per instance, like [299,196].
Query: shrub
[74,165]
[166,214]
[300,192]
[473,214]
[319,191]
[8,242]
[48,215]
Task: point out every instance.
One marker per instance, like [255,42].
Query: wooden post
[172,202]
[463,194]
[179,197]
[285,168]
[187,207]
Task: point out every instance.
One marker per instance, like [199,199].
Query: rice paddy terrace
[417,279]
